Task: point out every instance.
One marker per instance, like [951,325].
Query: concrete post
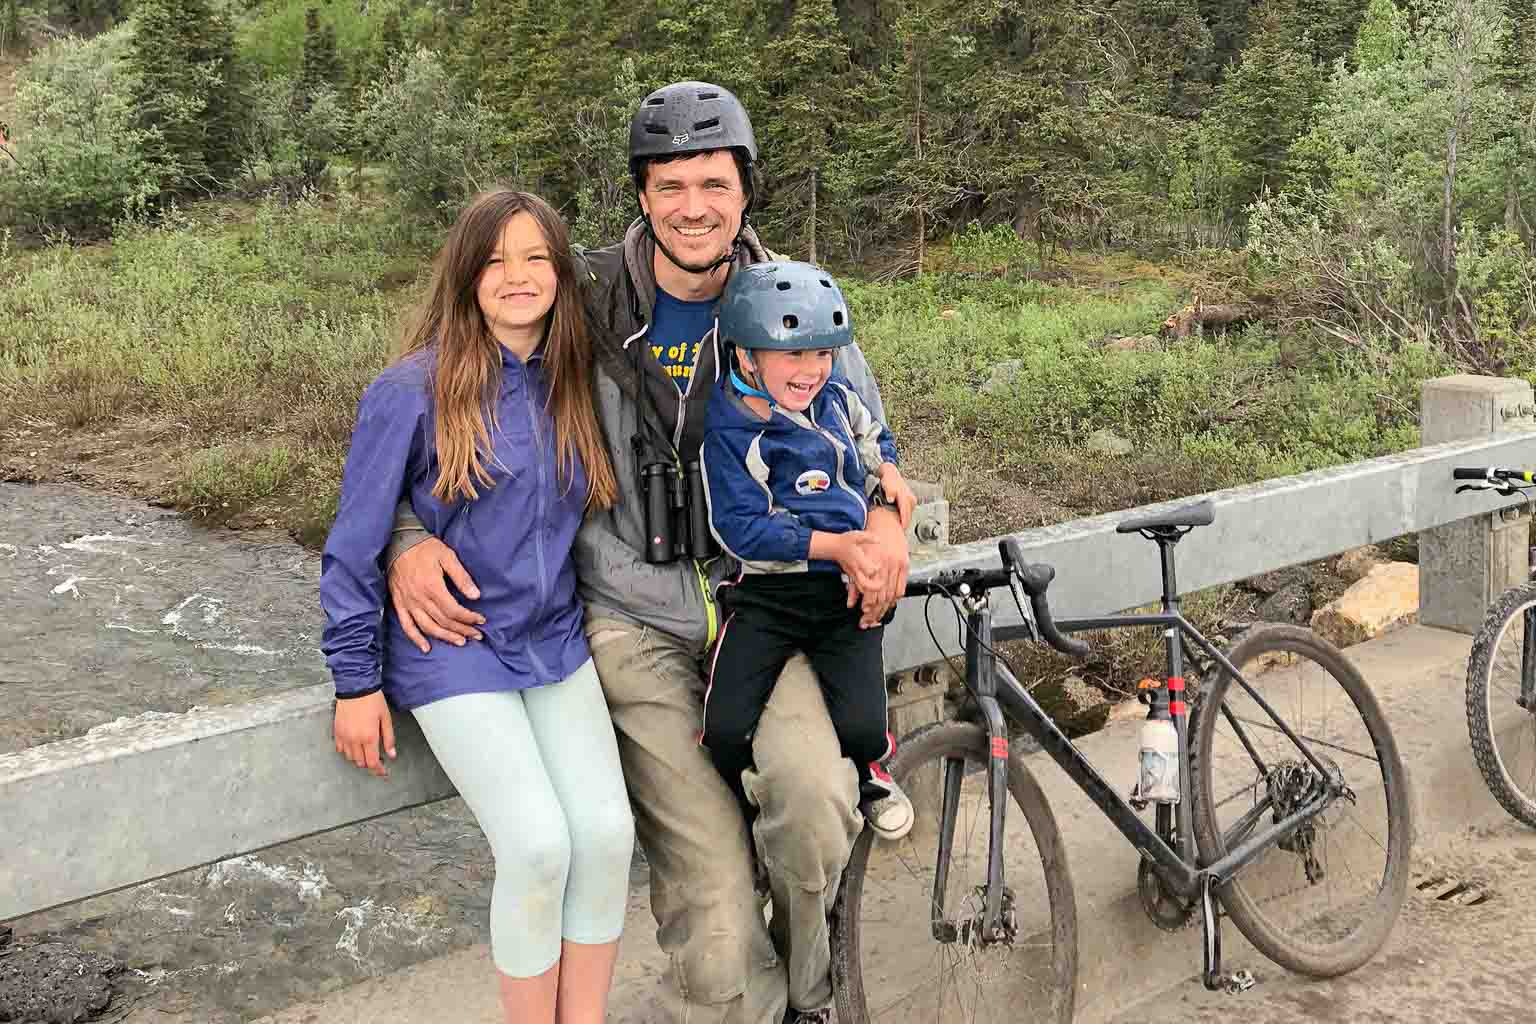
[1465,565]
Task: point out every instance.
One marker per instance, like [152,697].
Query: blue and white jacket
[771,482]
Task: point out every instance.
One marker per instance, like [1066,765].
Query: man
[651,619]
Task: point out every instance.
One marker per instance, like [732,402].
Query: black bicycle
[1296,818]
[1501,674]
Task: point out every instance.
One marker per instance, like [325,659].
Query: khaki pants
[725,966]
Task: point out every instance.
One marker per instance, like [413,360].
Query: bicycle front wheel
[892,965]
[1504,733]
[1323,900]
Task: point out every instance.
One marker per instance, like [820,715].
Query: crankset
[1166,909]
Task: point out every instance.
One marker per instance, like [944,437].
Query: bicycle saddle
[1199,514]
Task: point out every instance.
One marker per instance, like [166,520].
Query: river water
[110,608]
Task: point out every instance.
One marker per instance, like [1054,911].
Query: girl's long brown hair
[467,375]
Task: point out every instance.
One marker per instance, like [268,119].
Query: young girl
[486,424]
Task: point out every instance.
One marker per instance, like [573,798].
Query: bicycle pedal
[1238,982]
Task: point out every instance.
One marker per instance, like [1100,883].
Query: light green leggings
[540,770]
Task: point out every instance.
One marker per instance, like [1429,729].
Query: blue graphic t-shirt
[677,330]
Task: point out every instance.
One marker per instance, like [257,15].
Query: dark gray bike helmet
[784,306]
[689,117]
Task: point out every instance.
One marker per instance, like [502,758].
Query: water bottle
[1159,780]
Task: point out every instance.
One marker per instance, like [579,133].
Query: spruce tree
[809,74]
[320,68]
[10,25]
[183,55]
[1267,102]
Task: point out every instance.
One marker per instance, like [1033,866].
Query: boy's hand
[855,552]
[362,727]
[897,492]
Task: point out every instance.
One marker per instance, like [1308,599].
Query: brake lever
[1026,610]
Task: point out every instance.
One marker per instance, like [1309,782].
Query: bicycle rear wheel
[887,965]
[1503,733]
[1322,901]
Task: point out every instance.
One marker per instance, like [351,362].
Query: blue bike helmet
[785,306]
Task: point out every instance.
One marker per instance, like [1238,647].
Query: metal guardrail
[94,814]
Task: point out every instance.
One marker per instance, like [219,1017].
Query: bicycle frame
[1001,697]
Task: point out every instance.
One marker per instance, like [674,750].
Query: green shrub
[292,135]
[81,158]
[436,146]
[996,248]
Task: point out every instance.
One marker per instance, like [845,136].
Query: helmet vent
[825,283]
[837,318]
[783,286]
[657,129]
[700,126]
[709,95]
[791,321]
[656,101]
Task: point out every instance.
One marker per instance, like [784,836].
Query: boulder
[1073,703]
[1386,598]
[1291,603]
[1134,343]
[54,982]
[1356,563]
[1273,582]
[1107,442]
[1002,376]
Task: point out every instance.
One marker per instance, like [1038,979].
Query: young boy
[792,460]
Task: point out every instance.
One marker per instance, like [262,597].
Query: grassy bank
[231,349]
[230,353]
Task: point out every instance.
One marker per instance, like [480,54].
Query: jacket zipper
[541,518]
[837,449]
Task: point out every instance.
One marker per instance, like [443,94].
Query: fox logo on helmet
[680,140]
[812,481]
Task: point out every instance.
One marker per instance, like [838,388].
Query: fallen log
[1197,316]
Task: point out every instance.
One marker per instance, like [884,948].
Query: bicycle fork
[1527,698]
[995,924]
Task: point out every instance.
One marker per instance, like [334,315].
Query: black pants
[769,619]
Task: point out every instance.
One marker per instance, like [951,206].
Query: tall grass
[1208,412]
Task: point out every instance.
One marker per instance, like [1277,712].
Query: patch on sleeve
[812,481]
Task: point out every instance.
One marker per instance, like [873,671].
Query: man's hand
[883,588]
[362,727]
[422,600]
[896,490]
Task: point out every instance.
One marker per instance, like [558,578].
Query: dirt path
[1451,958]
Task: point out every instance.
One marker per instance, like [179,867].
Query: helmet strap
[748,389]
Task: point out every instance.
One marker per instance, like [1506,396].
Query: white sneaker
[886,808]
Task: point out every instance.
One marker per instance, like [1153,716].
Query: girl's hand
[361,723]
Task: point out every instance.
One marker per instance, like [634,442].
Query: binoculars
[676,513]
